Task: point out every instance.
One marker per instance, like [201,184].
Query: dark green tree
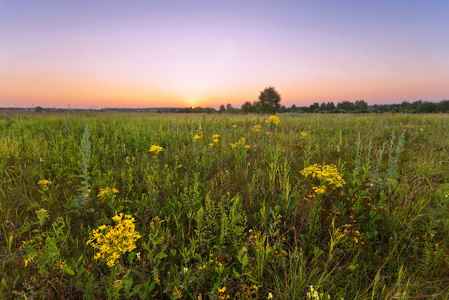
[330,106]
[427,107]
[247,108]
[346,105]
[361,105]
[269,101]
[314,107]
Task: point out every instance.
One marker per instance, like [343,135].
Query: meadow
[198,206]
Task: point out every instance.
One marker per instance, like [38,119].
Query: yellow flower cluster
[328,175]
[257,128]
[313,295]
[222,293]
[273,119]
[44,182]
[198,136]
[241,142]
[319,189]
[304,134]
[111,242]
[214,139]
[155,149]
[107,193]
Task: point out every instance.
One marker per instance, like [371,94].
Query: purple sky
[206,53]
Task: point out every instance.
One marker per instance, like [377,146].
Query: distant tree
[222,109]
[269,101]
[247,108]
[346,105]
[293,108]
[323,106]
[427,107]
[38,109]
[361,105]
[314,107]
[415,105]
[209,110]
[330,106]
[383,108]
[443,106]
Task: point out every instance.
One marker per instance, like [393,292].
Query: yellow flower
[107,193]
[44,182]
[211,144]
[303,133]
[421,129]
[155,149]
[196,137]
[273,119]
[257,128]
[270,296]
[222,290]
[234,126]
[111,242]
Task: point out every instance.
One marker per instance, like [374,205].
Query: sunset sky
[141,53]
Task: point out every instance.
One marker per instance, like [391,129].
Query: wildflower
[117,283]
[270,296]
[29,259]
[177,292]
[303,134]
[319,189]
[107,193]
[222,290]
[325,173]
[269,133]
[155,149]
[241,142]
[234,126]
[421,129]
[211,144]
[257,128]
[111,242]
[44,182]
[273,119]
[196,137]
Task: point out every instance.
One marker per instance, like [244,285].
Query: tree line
[269,102]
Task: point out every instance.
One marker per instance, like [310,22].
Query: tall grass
[217,220]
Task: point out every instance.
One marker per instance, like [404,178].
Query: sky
[145,53]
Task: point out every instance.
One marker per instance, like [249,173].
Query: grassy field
[152,206]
